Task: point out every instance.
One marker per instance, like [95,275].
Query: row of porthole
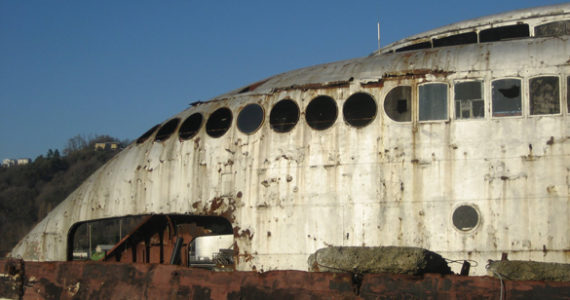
[359,110]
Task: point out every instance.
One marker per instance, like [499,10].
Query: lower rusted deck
[95,280]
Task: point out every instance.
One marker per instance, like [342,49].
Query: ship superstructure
[456,140]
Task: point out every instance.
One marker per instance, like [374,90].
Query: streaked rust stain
[418,73]
[91,280]
[315,86]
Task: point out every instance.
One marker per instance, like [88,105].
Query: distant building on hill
[8,162]
[107,146]
[23,161]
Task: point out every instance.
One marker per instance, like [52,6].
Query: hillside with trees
[29,192]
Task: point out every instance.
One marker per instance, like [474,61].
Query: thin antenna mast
[378,34]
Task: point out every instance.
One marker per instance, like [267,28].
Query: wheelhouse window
[457,39]
[544,95]
[398,104]
[359,110]
[557,28]
[417,46]
[506,94]
[433,101]
[219,122]
[469,103]
[321,113]
[250,118]
[284,115]
[504,33]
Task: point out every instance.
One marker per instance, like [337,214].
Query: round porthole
[250,118]
[190,126]
[284,115]
[359,110]
[398,104]
[219,122]
[465,218]
[147,134]
[166,130]
[321,113]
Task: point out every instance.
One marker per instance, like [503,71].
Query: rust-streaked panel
[91,280]
[11,278]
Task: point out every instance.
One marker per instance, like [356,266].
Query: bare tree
[74,144]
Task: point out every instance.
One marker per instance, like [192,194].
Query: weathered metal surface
[12,275]
[80,280]
[386,184]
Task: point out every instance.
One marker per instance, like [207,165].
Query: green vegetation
[29,192]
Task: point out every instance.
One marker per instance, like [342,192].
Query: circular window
[190,126]
[147,134]
[321,113]
[398,103]
[359,110]
[284,115]
[465,218]
[219,122]
[250,118]
[166,130]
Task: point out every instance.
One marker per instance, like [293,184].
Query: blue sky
[120,67]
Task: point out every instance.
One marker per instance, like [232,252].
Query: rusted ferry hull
[86,280]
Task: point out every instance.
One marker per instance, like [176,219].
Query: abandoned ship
[454,140]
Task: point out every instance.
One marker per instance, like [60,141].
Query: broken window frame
[433,111]
[531,95]
[458,103]
[390,99]
[505,113]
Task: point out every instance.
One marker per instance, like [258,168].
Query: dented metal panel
[386,184]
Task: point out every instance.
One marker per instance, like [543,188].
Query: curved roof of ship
[342,72]
[508,18]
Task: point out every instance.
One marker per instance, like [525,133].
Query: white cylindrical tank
[204,248]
